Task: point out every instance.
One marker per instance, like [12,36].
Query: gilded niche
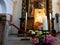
[36,9]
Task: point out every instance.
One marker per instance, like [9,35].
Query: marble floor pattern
[14,40]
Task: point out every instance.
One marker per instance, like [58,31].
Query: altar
[37,11]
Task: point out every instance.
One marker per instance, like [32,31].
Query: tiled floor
[14,40]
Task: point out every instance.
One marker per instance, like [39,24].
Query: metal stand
[25,28]
[53,23]
[53,30]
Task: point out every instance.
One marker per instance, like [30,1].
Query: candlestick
[50,16]
[26,15]
[45,23]
[25,24]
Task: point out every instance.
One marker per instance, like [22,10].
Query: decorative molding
[23,8]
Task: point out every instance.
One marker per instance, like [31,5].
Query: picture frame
[35,4]
[29,6]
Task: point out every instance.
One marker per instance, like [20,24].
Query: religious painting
[37,10]
[35,4]
[38,18]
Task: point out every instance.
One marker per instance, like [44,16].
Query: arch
[9,6]
[3,6]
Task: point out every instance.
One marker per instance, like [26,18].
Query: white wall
[17,14]
[59,14]
[8,6]
[14,8]
[55,9]
[0,9]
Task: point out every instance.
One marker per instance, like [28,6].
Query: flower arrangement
[31,31]
[44,37]
[49,39]
[38,33]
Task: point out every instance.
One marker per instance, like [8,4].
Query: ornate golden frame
[48,8]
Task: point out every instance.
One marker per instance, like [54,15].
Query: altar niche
[33,7]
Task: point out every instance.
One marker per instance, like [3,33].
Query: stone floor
[19,43]
[14,40]
[58,40]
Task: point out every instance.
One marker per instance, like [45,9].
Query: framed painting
[35,7]
[35,4]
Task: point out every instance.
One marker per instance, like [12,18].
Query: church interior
[29,22]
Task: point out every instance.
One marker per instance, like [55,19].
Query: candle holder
[57,17]
[53,23]
[53,30]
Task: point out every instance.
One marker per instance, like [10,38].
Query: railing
[19,28]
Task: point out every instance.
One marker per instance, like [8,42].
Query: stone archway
[9,6]
[2,6]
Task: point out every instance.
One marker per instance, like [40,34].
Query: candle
[26,22]
[45,23]
[38,18]
[26,15]
[50,16]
